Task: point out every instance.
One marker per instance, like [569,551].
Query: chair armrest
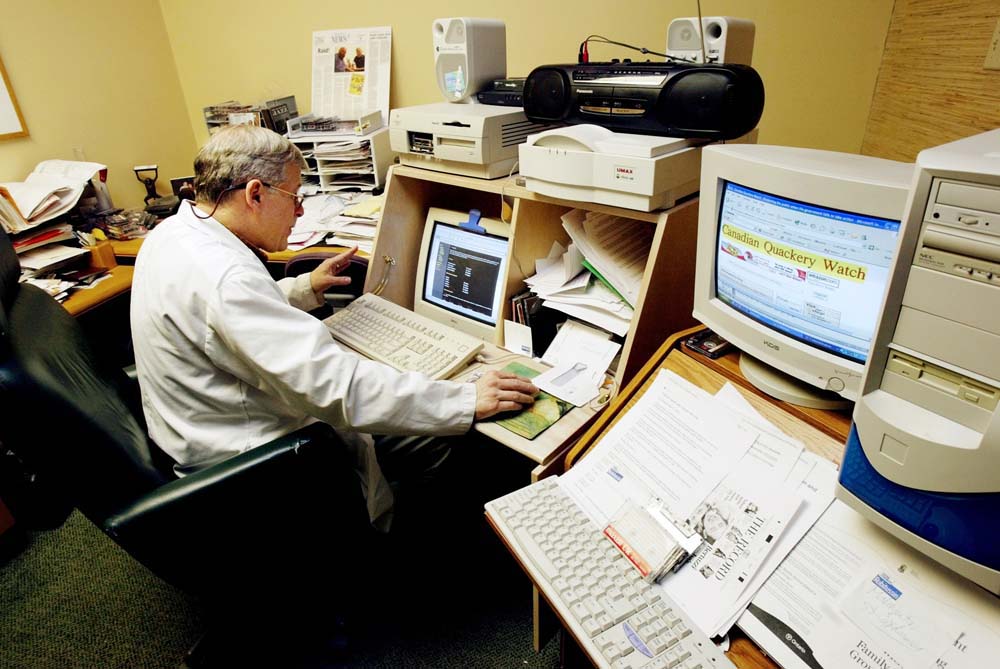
[269,502]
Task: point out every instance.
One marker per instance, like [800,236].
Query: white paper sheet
[616,247]
[741,522]
[669,446]
[822,607]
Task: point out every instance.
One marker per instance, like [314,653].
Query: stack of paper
[614,249]
[49,234]
[746,488]
[851,595]
[52,189]
[326,219]
[751,521]
[345,164]
[49,258]
[561,281]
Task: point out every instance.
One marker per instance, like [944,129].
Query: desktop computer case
[923,457]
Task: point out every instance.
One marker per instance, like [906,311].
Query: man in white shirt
[228,359]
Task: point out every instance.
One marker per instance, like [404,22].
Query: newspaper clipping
[351,72]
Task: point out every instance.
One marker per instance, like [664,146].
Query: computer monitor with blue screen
[795,248]
[462,272]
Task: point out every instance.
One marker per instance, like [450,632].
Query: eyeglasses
[295,196]
[298,199]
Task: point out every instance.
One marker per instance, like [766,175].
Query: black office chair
[337,297]
[248,534]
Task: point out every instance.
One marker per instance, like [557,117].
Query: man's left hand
[325,276]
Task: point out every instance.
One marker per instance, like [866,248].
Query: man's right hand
[498,391]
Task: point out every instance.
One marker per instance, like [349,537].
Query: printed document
[750,521]
[670,446]
[350,72]
[850,595]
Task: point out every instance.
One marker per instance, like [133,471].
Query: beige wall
[818,60]
[96,78]
[124,83]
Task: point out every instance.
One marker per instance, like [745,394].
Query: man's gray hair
[237,154]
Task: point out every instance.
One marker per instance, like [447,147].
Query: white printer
[593,164]
[474,140]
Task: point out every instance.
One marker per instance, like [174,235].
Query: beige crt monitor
[794,252]
[462,272]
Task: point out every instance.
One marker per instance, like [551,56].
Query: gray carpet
[74,599]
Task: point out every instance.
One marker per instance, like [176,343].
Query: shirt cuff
[300,294]
[469,396]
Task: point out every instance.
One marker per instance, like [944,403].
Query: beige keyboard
[619,619]
[389,333]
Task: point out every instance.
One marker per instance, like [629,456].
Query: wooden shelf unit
[666,297]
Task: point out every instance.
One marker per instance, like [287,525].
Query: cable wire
[601,39]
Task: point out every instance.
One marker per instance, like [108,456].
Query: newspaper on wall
[350,72]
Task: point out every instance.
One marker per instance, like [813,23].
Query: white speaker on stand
[727,39]
[468,55]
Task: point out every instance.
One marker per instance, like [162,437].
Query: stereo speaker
[468,54]
[727,40]
[699,101]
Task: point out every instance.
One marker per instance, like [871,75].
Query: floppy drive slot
[956,344]
[456,141]
[967,401]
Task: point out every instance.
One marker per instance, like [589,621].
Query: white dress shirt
[228,360]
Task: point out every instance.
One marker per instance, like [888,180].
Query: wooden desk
[127,250]
[84,300]
[813,430]
[548,448]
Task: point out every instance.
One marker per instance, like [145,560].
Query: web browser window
[810,272]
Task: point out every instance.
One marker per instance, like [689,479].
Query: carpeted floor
[72,598]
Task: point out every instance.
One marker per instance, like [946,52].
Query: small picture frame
[11,121]
[183,187]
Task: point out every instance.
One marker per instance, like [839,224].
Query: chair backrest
[336,297]
[61,412]
[10,272]
[357,269]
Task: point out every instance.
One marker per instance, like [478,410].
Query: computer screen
[811,272]
[795,248]
[463,272]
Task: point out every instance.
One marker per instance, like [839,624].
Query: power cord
[389,262]
[503,201]
[584,55]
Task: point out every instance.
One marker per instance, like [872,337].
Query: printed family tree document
[350,72]
[851,595]
[670,446]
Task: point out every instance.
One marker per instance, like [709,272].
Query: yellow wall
[96,79]
[819,61]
